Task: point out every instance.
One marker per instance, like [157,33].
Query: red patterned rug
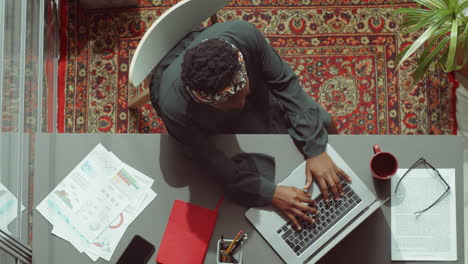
[343,51]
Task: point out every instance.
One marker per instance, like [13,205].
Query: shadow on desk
[382,188]
[370,232]
[180,170]
[177,164]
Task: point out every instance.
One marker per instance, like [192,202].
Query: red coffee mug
[383,165]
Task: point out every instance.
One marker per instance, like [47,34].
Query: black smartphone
[139,251]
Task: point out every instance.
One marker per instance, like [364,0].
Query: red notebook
[187,234]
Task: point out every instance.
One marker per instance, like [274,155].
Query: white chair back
[167,31]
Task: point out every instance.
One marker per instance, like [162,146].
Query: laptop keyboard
[300,241]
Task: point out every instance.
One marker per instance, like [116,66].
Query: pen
[238,244]
[233,242]
[239,240]
[221,249]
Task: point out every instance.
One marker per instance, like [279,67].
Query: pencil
[238,244]
[233,242]
[235,248]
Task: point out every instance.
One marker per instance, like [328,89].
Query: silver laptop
[334,222]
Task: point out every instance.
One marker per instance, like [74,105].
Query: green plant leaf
[453,4]
[439,15]
[462,7]
[428,56]
[420,41]
[446,30]
[438,34]
[411,11]
[432,4]
[464,46]
[415,18]
[409,22]
[402,53]
[417,44]
[450,62]
[443,55]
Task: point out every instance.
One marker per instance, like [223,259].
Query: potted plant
[444,38]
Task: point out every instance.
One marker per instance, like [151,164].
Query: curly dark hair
[209,66]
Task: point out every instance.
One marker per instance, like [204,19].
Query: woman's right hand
[293,202]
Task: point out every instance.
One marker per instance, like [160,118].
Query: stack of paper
[93,206]
[8,207]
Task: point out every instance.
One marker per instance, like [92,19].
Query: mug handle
[377,149]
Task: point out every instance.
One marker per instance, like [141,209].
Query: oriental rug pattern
[344,53]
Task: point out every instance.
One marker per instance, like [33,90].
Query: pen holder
[237,255]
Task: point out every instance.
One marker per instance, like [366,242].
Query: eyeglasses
[423,162]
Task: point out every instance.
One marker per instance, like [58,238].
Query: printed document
[430,235]
[73,203]
[105,245]
[93,206]
[8,207]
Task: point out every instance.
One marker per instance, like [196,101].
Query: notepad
[187,235]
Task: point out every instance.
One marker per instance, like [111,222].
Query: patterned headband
[238,83]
